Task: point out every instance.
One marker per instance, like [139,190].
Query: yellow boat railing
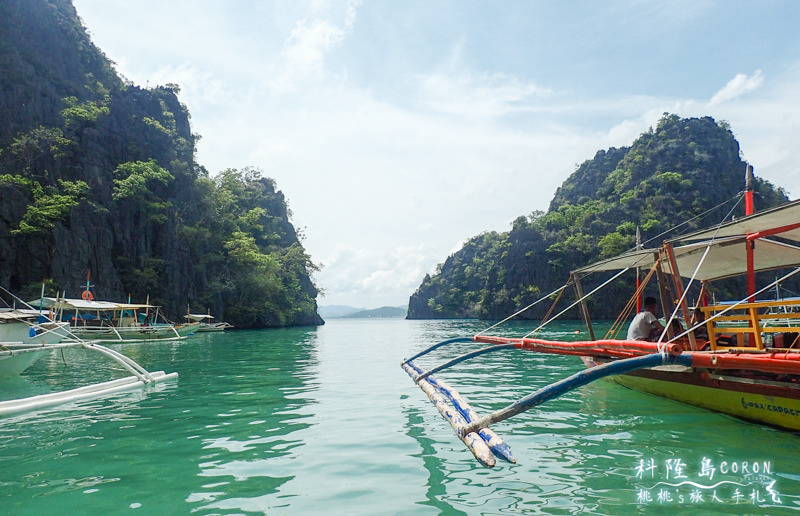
[745,317]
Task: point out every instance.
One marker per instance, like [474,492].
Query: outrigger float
[48,336]
[741,358]
[140,377]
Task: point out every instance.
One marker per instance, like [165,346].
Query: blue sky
[399,129]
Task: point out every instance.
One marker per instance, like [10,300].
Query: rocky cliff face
[99,175]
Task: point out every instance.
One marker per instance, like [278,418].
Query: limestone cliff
[97,174]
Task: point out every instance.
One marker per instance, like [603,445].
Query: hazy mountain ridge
[349,312]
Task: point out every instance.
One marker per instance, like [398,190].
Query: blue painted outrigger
[474,430]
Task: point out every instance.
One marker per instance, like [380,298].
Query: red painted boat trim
[783,362]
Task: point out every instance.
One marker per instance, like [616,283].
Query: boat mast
[749,209]
[679,293]
[638,271]
[584,308]
[666,306]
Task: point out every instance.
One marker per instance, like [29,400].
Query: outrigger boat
[46,336]
[109,322]
[207,323]
[29,326]
[742,360]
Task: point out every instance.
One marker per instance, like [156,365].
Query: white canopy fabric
[727,254]
[199,317]
[17,315]
[781,216]
[82,304]
[726,258]
[730,259]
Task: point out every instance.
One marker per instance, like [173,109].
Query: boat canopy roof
[784,216]
[199,317]
[83,304]
[10,314]
[726,248]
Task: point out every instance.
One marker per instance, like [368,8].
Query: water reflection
[265,390]
[436,485]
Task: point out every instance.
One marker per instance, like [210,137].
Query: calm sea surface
[324,421]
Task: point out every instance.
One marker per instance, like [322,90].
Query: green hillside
[98,174]
[681,169]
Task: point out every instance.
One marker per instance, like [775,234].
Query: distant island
[349,312]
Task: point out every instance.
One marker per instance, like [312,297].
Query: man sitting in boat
[699,317]
[645,325]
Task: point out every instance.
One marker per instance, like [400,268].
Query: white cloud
[370,178]
[304,55]
[374,277]
[307,46]
[198,85]
[737,87]
[486,95]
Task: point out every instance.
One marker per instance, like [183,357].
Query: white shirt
[641,326]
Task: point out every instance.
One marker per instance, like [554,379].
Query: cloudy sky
[397,130]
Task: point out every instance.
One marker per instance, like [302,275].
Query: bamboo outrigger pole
[474,431]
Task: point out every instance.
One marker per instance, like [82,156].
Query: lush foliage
[99,175]
[683,169]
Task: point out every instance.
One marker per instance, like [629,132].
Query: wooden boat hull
[770,402]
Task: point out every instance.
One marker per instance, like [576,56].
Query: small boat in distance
[741,358]
[207,323]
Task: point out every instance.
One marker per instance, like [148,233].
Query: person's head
[651,305]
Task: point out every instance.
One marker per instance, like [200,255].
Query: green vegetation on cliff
[669,175]
[99,175]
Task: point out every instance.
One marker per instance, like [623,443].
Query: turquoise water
[324,421]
